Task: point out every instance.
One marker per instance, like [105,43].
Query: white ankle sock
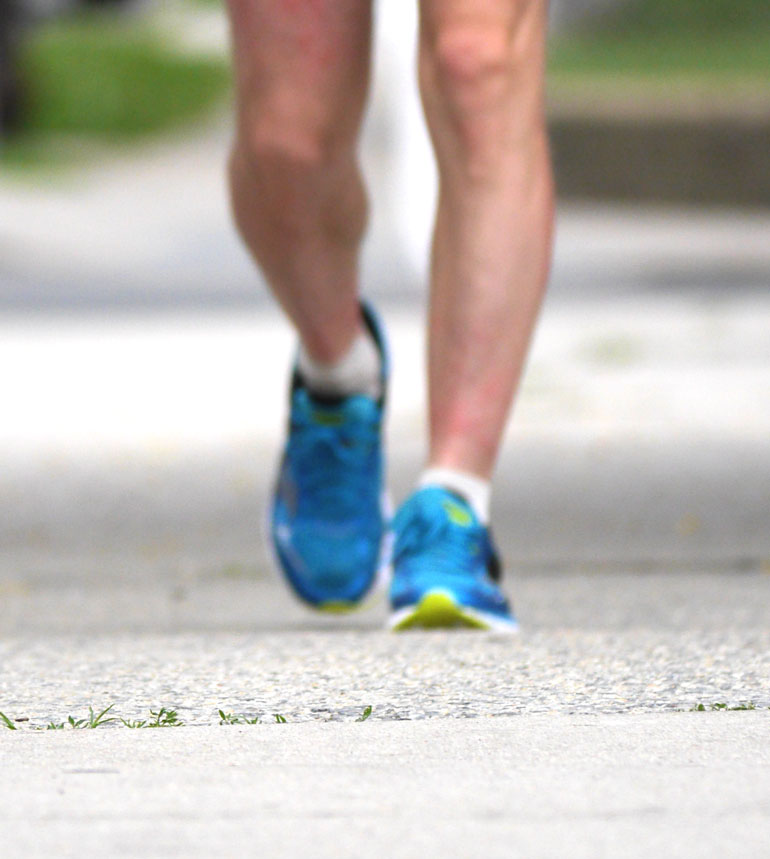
[473,488]
[356,372]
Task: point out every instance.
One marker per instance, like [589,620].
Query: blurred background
[141,408]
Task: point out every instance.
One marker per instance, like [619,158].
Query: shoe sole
[438,609]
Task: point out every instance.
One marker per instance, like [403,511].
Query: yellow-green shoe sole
[340,607]
[439,610]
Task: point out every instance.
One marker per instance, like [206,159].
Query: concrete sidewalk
[575,737]
[143,449]
[633,509]
[689,785]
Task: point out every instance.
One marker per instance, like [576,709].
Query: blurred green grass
[686,17]
[105,79]
[667,56]
[99,79]
[711,41]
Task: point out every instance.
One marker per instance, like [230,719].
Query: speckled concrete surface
[601,643]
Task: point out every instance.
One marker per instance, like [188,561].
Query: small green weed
[91,721]
[96,719]
[233,719]
[164,718]
[7,722]
[702,708]
[134,723]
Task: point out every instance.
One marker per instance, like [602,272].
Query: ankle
[357,371]
[474,489]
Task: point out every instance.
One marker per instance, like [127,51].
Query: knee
[293,169]
[283,144]
[469,67]
[480,79]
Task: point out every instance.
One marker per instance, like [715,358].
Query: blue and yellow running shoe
[446,570]
[328,517]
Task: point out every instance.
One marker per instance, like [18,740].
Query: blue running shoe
[446,570]
[328,518]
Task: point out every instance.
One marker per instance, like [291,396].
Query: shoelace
[426,540]
[333,464]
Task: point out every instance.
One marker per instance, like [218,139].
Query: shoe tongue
[328,411]
[454,507]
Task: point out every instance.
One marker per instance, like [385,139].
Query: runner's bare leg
[481,76]
[302,74]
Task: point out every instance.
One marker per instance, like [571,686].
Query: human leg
[302,74]
[481,75]
[301,71]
